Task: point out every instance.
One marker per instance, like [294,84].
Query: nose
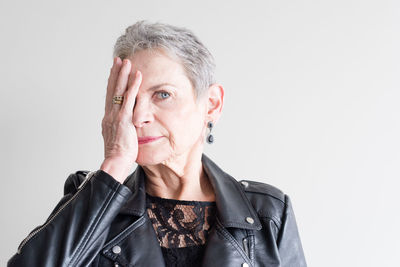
[142,113]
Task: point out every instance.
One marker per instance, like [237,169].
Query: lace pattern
[180,223]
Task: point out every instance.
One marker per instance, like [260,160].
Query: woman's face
[170,124]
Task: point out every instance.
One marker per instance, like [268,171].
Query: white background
[312,107]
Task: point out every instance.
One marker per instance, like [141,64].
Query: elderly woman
[178,208]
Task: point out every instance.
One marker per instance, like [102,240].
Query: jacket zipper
[88,176]
[246,246]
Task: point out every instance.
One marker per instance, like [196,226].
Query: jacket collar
[233,207]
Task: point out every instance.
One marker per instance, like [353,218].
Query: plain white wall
[312,107]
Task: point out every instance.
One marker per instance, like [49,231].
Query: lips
[148,139]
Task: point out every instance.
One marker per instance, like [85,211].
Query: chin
[150,156]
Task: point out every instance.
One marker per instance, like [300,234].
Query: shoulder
[74,180]
[264,189]
[267,200]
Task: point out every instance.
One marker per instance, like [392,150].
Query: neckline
[179,202]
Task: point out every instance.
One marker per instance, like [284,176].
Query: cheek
[184,128]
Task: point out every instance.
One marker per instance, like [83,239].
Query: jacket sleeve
[288,242]
[77,228]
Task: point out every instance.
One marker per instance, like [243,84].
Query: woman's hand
[119,133]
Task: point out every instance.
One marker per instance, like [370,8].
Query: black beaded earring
[210,137]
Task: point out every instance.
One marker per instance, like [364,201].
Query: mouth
[148,139]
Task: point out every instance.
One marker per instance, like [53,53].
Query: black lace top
[182,228]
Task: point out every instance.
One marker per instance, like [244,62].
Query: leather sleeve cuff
[107,179]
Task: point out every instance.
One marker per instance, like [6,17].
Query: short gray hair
[179,42]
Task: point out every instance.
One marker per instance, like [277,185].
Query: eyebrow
[155,87]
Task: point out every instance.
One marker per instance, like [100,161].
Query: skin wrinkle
[173,163]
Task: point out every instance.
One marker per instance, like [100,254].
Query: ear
[215,102]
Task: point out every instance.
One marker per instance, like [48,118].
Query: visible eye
[163,95]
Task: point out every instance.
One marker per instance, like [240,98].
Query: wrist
[119,169]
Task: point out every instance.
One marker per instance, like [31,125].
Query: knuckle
[106,121]
[104,126]
[120,86]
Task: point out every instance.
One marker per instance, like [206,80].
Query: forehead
[158,67]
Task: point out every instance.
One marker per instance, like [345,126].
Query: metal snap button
[116,249]
[244,183]
[244,264]
[249,220]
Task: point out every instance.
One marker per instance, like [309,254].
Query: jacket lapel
[234,211]
[138,242]
[137,245]
[234,208]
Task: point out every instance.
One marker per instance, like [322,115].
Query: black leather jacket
[100,222]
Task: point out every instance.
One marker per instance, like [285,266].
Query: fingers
[122,81]
[130,95]
[112,79]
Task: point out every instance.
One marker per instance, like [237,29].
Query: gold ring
[118,99]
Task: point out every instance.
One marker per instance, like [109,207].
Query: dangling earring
[210,137]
